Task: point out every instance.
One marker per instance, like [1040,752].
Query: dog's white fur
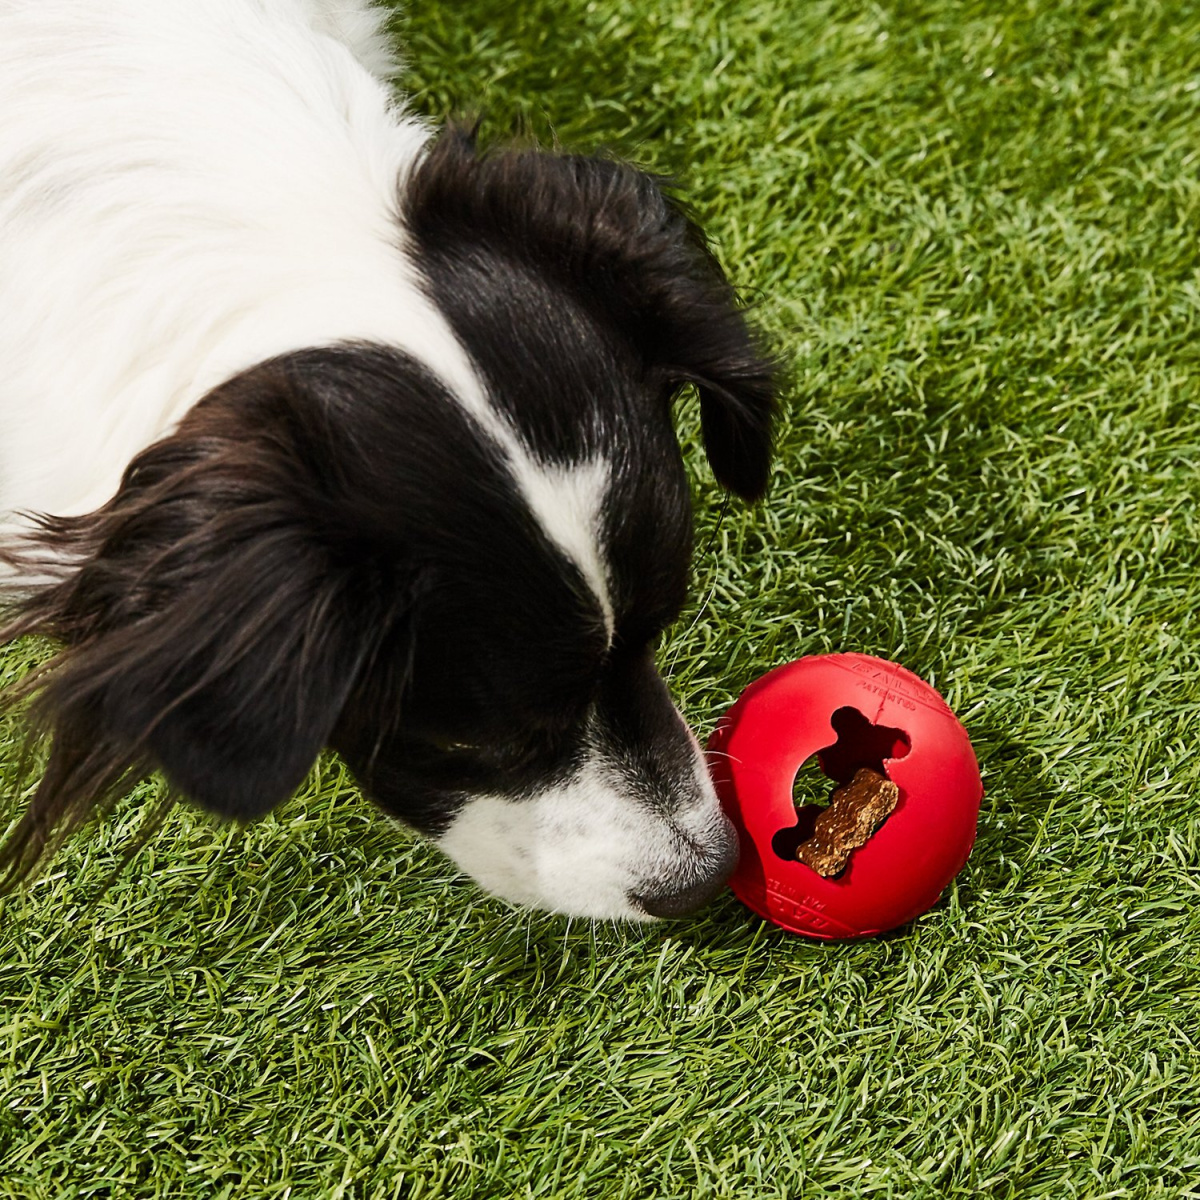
[573,843]
[187,187]
[190,187]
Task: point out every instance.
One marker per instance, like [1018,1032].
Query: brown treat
[856,810]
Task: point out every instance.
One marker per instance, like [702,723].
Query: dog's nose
[679,902]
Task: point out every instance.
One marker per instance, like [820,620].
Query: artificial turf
[970,230]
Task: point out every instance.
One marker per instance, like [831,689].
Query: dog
[322,428]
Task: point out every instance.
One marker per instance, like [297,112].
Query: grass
[971,230]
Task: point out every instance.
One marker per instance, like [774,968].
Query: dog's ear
[212,625]
[617,235]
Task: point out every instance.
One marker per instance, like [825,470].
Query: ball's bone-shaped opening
[860,743]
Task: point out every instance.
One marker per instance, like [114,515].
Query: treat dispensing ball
[903,808]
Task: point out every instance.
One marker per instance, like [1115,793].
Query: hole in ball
[860,743]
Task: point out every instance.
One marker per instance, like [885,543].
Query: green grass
[971,230]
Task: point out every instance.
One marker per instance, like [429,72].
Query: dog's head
[460,589]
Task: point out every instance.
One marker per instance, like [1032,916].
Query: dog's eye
[450,747]
[509,754]
[498,753]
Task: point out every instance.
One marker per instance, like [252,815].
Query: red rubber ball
[849,711]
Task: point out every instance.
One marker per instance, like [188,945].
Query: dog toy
[904,805]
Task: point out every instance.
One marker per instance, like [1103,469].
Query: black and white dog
[342,433]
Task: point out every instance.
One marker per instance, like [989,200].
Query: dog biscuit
[856,810]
